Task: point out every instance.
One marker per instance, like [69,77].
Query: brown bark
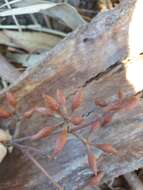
[87,58]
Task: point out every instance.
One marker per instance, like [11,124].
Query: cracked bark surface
[88,58]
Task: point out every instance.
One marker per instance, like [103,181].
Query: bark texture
[88,58]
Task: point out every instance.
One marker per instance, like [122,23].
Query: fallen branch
[86,58]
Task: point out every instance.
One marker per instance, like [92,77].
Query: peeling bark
[88,58]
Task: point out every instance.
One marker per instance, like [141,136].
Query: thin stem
[64,116]
[17,129]
[82,126]
[80,138]
[29,138]
[33,149]
[90,131]
[38,165]
[72,131]
[19,140]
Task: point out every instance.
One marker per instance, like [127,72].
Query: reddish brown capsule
[95,180]
[60,142]
[126,104]
[92,161]
[130,103]
[77,120]
[42,110]
[107,118]
[61,97]
[77,100]
[28,113]
[101,103]
[113,107]
[4,113]
[95,125]
[51,103]
[43,133]
[107,148]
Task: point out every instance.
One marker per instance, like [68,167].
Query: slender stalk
[19,140]
[17,129]
[29,138]
[90,131]
[43,170]
[82,126]
[72,131]
[64,116]
[80,138]
[33,149]
[38,165]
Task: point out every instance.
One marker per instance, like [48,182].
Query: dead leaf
[26,59]
[62,11]
[7,71]
[29,41]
